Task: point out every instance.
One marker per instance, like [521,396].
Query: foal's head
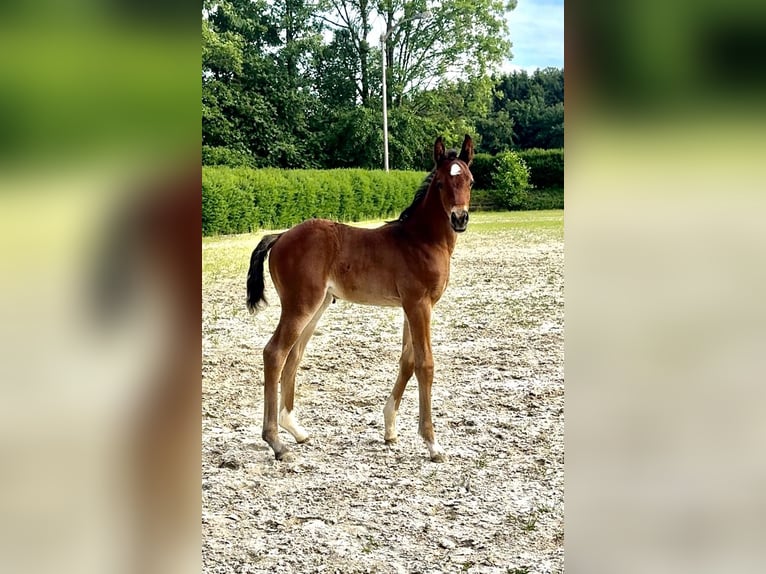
[454,181]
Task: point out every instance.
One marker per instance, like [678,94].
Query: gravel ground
[349,503]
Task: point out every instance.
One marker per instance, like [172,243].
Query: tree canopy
[293,83]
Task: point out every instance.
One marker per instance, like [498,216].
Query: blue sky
[537,32]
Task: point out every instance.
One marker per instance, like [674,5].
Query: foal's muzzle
[459,220]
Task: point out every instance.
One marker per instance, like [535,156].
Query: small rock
[229,460]
[447,543]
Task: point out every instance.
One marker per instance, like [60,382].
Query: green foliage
[551,198]
[220,155]
[537,199]
[511,179]
[483,170]
[239,200]
[296,84]
[527,112]
[485,200]
[537,125]
[215,213]
[546,167]
[221,53]
[461,38]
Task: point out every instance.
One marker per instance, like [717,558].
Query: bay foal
[403,263]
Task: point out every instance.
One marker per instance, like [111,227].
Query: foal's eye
[470,184]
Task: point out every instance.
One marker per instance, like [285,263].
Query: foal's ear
[439,151]
[466,152]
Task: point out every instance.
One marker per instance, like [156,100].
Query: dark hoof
[285,456]
[304,441]
[390,441]
[439,457]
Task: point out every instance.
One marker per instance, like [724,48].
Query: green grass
[228,256]
[543,220]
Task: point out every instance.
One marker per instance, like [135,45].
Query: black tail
[255,286]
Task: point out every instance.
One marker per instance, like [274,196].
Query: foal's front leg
[419,318]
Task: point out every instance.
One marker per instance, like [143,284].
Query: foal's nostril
[460,221]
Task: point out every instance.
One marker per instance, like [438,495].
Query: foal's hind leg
[292,322]
[406,368]
[287,382]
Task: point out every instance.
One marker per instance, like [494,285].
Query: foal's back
[368,266]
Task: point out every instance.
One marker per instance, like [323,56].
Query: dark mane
[423,189]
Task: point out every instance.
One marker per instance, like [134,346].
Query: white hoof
[287,421]
[437,452]
[389,417]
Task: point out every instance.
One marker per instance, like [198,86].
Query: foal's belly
[367,296]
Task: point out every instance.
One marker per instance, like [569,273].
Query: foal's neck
[430,221]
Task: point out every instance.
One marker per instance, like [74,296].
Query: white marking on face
[455,170]
[287,421]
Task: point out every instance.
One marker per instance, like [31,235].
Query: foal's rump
[301,260]
[318,257]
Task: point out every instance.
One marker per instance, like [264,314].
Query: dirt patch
[349,503]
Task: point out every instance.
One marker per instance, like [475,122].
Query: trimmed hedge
[492,200]
[483,169]
[546,168]
[550,198]
[240,200]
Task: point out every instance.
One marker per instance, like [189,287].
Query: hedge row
[491,200]
[546,168]
[239,200]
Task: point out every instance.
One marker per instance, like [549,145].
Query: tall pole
[385,103]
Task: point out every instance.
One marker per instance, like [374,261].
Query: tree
[350,21]
[288,83]
[255,94]
[458,41]
[527,112]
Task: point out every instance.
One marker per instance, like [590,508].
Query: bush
[239,200]
[218,155]
[546,167]
[511,179]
